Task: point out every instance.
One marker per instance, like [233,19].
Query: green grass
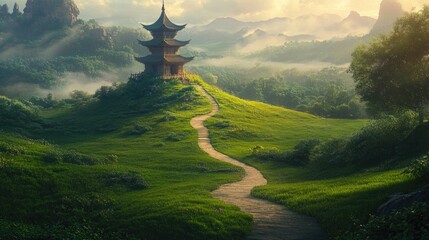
[338,197]
[147,127]
[176,205]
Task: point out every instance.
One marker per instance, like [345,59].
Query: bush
[333,151]
[175,137]
[131,180]
[301,153]
[168,117]
[405,224]
[10,149]
[72,157]
[419,168]
[377,142]
[222,124]
[15,113]
[140,129]
[4,163]
[300,156]
[112,158]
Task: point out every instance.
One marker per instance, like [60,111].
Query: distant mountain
[390,12]
[226,34]
[355,24]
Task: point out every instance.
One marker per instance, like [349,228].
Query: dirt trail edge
[271,221]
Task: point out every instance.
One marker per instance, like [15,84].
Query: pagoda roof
[163,23]
[168,59]
[164,42]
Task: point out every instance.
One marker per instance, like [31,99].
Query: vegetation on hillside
[120,171]
[327,93]
[315,51]
[393,71]
[338,193]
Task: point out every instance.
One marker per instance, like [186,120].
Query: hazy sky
[202,11]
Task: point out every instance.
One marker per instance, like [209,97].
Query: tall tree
[393,71]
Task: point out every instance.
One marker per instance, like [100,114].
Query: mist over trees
[328,92]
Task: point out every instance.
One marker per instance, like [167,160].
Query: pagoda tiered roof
[165,59]
[163,23]
[164,42]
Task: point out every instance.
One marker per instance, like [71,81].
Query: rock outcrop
[390,12]
[51,13]
[400,201]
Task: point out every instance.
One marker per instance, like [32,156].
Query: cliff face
[51,13]
[390,11]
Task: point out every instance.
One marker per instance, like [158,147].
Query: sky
[203,11]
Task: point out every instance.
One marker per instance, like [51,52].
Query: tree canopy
[393,71]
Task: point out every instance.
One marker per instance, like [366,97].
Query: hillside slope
[146,124]
[147,127]
[338,196]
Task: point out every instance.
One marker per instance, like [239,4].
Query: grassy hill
[126,164]
[149,131]
[340,197]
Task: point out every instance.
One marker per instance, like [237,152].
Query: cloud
[203,11]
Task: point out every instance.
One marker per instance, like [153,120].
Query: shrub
[377,142]
[222,124]
[301,153]
[72,157]
[131,180]
[112,158]
[419,168]
[11,149]
[330,152]
[168,117]
[175,137]
[140,129]
[300,156]
[405,224]
[53,157]
[15,113]
[257,149]
[4,163]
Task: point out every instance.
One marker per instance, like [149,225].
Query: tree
[393,71]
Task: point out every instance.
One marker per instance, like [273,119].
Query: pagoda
[164,61]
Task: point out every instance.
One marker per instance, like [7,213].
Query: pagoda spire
[164,60]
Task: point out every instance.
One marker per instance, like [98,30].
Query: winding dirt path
[271,221]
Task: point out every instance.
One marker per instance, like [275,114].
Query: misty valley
[259,120]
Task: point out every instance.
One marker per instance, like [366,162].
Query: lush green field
[151,135]
[338,197]
[160,186]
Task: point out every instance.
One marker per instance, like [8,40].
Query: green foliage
[46,73]
[8,148]
[140,129]
[131,180]
[339,51]
[57,156]
[419,168]
[176,136]
[14,113]
[300,156]
[392,72]
[406,224]
[328,92]
[378,142]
